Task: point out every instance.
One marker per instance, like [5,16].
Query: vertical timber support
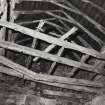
[34,43]
[3,17]
[12,16]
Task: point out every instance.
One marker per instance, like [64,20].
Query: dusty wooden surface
[59,89]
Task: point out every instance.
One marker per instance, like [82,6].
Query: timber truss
[62,38]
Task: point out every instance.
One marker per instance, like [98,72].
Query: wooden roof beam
[77,11]
[34,44]
[13,72]
[94,5]
[41,54]
[51,39]
[65,36]
[33,21]
[69,19]
[84,42]
[18,1]
[47,79]
[61,50]
[64,24]
[83,58]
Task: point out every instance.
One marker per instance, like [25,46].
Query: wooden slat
[34,44]
[13,72]
[17,12]
[77,11]
[11,18]
[3,13]
[60,52]
[72,20]
[41,54]
[84,42]
[76,88]
[55,25]
[22,41]
[10,71]
[51,70]
[64,24]
[48,78]
[83,58]
[34,52]
[33,21]
[50,47]
[50,39]
[99,65]
[61,94]
[18,1]
[94,5]
[54,34]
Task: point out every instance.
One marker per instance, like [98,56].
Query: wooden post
[34,43]
[83,58]
[3,13]
[12,17]
[60,52]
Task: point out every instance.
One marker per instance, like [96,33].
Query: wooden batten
[3,13]
[12,18]
[69,83]
[34,44]
[48,78]
[74,51]
[65,36]
[18,1]
[77,11]
[60,52]
[51,39]
[70,19]
[41,54]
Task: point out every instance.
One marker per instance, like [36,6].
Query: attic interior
[52,52]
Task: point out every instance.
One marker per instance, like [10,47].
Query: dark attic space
[52,52]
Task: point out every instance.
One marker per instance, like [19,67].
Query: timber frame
[11,29]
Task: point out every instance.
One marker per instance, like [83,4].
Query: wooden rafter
[17,12]
[64,24]
[41,54]
[3,16]
[61,94]
[34,44]
[83,58]
[77,11]
[61,50]
[65,36]
[99,65]
[75,84]
[94,5]
[11,18]
[51,39]
[13,72]
[72,20]
[84,42]
[55,25]
[42,77]
[18,1]
[33,21]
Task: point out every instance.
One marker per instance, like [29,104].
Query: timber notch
[52,52]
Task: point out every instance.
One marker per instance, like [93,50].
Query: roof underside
[58,43]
